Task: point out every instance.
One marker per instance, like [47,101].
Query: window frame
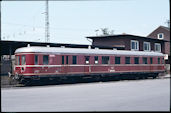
[148,47]
[160,34]
[155,47]
[136,45]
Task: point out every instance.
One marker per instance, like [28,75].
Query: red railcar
[35,63]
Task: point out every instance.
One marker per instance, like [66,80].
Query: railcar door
[87,65]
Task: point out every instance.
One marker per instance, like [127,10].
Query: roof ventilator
[28,45]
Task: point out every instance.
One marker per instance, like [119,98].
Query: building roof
[167,28]
[8,47]
[122,36]
[59,50]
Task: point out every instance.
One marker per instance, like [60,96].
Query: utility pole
[47,35]
[168,23]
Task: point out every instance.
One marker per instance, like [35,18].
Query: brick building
[162,33]
[129,42]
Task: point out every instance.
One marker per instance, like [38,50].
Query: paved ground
[135,95]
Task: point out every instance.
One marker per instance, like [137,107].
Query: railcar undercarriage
[81,78]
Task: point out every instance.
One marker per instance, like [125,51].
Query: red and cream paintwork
[58,67]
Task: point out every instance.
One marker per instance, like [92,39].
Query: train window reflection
[36,59]
[74,59]
[45,59]
[87,59]
[144,60]
[117,60]
[96,59]
[105,59]
[23,60]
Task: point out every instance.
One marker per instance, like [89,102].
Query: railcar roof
[59,50]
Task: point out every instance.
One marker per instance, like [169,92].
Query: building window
[23,60]
[160,36]
[36,59]
[147,46]
[127,60]
[144,60]
[117,60]
[105,59]
[74,59]
[136,60]
[134,45]
[157,47]
[45,59]
[87,59]
[96,60]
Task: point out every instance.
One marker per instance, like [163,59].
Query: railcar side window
[117,60]
[74,59]
[144,60]
[96,60]
[158,60]
[162,60]
[136,60]
[36,59]
[45,59]
[23,60]
[151,60]
[105,59]
[66,59]
[127,60]
[87,59]
[62,59]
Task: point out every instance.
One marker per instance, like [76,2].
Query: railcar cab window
[36,59]
[127,60]
[136,60]
[117,60]
[74,59]
[46,59]
[96,60]
[105,59]
[87,59]
[17,60]
[144,60]
[23,60]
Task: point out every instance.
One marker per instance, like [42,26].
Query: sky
[72,21]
